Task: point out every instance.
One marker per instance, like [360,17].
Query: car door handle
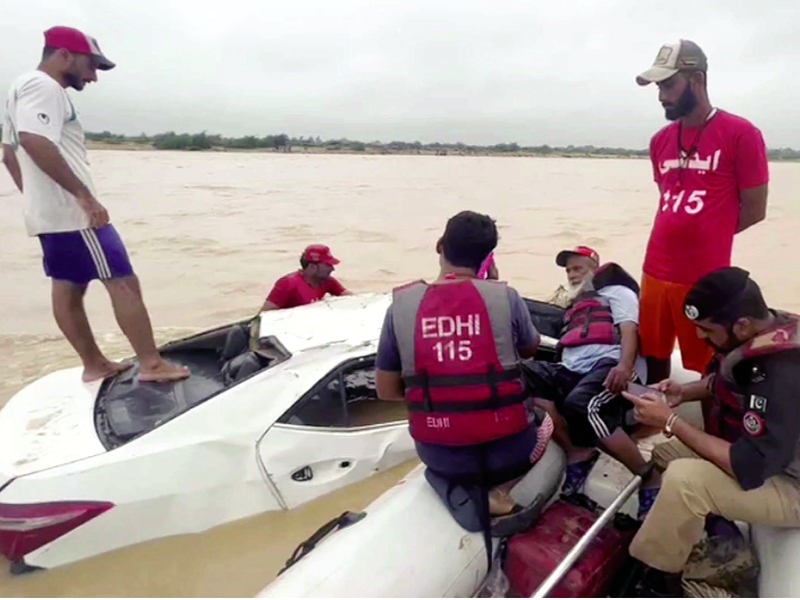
[304,474]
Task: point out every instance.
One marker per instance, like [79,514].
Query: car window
[363,406]
[346,398]
[324,407]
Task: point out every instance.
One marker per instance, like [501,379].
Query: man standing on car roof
[711,170]
[44,151]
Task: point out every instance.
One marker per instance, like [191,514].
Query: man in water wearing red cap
[45,153]
[309,284]
[710,167]
[599,357]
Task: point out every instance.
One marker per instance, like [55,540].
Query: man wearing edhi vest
[451,350]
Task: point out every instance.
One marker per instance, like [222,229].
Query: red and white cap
[318,253]
[563,256]
[77,43]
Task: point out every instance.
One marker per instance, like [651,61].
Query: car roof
[351,320]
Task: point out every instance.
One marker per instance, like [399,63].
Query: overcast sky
[557,72]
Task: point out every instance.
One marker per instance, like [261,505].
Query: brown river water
[209,232]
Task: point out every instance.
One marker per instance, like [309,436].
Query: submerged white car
[278,411]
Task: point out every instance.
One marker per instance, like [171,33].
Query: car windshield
[219,359]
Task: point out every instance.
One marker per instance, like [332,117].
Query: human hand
[673,391]
[618,378]
[98,215]
[648,410]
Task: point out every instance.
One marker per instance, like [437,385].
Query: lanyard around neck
[685,155]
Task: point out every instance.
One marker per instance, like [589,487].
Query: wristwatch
[670,424]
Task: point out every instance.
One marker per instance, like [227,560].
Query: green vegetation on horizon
[283,143]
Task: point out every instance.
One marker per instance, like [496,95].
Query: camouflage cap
[672,58]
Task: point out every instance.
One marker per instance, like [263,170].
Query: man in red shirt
[309,284]
[711,170]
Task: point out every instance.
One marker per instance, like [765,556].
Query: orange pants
[661,321]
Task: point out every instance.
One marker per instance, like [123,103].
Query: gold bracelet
[670,424]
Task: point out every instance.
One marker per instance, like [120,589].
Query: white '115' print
[692,205]
[448,350]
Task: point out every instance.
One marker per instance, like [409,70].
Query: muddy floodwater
[208,233]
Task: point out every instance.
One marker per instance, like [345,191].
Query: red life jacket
[589,319]
[724,413]
[460,367]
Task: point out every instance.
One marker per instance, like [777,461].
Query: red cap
[561,259]
[78,43]
[317,253]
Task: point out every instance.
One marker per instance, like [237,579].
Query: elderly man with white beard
[599,356]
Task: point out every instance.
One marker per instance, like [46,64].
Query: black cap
[714,292]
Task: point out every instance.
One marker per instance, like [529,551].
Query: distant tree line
[194,141]
[783,154]
[284,143]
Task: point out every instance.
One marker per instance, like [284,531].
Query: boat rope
[483,509]
[346,519]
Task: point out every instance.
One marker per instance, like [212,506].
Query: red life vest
[589,319]
[724,413]
[460,367]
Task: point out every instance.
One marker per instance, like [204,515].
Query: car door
[336,434]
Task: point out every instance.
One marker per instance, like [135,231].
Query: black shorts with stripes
[590,410]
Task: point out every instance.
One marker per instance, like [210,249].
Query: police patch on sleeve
[753,424]
[691,312]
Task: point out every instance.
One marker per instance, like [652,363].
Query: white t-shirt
[624,309]
[38,104]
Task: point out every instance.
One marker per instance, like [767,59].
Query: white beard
[573,291]
[566,294]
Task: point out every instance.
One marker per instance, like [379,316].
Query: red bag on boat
[533,555]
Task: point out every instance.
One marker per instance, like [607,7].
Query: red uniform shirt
[698,213]
[293,290]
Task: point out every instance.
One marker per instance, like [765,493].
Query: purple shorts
[81,256]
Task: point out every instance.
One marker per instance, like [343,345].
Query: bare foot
[500,503]
[105,369]
[164,371]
